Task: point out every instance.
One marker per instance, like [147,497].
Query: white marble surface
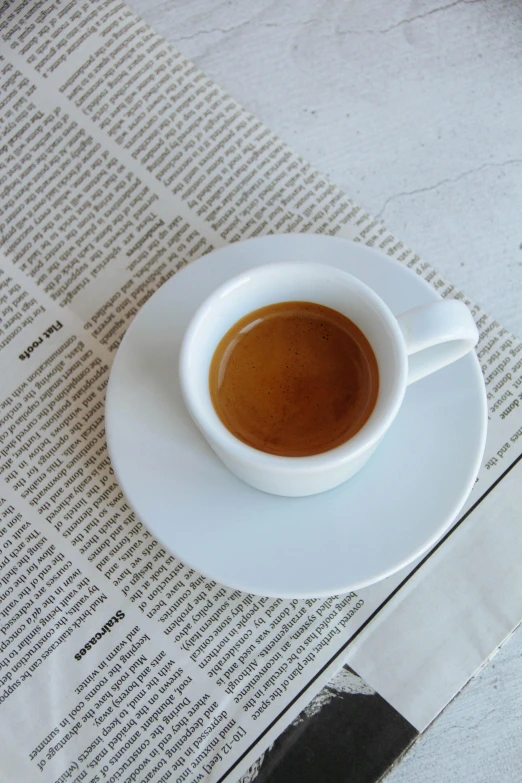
[414,108]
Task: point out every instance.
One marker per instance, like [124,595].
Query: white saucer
[380,520]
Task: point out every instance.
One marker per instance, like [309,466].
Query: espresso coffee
[294,379]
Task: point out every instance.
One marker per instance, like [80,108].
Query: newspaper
[120,164]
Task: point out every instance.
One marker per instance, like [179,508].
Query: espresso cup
[407,348]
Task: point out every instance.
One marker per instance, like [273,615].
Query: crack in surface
[298,23]
[482,719]
[428,13]
[446,181]
[225,30]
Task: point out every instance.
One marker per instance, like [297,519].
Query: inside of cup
[307,282]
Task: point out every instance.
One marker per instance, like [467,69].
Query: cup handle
[436,334]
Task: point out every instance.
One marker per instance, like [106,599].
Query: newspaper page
[120,164]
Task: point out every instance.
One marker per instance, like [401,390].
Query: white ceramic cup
[406,347]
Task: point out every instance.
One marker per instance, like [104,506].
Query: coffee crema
[294,379]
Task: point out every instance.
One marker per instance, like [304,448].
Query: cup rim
[217,433]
